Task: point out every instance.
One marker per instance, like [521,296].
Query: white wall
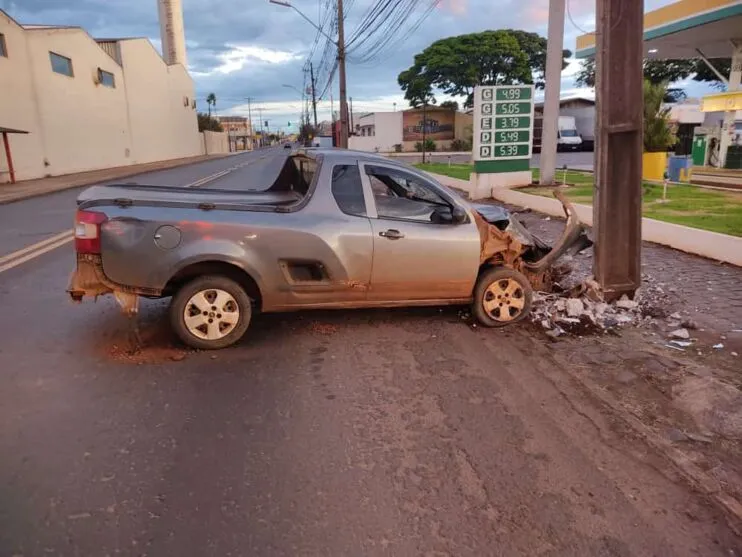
[162,127]
[83,125]
[388,128]
[214,143]
[76,124]
[17,105]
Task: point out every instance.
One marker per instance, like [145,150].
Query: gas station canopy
[680,30]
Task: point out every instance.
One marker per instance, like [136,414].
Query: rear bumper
[89,280]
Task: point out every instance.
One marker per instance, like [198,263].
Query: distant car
[336,229]
[287,145]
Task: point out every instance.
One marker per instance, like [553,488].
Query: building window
[107,79]
[3,46]
[61,64]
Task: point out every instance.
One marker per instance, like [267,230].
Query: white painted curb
[712,245]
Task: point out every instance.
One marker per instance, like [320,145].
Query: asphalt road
[404,432]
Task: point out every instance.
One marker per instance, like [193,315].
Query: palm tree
[211,101]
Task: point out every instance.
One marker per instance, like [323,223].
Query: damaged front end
[519,249]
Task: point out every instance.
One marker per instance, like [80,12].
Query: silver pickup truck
[335,229]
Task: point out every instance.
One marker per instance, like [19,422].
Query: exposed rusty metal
[88,279]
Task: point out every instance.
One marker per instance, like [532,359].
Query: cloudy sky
[251,48]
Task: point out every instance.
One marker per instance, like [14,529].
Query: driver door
[414,257]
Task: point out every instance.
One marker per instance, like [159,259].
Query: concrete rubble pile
[582,310]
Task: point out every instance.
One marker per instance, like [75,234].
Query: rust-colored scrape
[497,244]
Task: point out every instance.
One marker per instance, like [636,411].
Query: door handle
[391,234]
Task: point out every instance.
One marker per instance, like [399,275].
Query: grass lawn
[460,171]
[717,211]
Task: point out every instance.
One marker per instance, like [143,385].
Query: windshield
[568,133]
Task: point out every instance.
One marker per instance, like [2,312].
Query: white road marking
[37,252]
[35,246]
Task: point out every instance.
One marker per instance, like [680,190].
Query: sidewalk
[43,186]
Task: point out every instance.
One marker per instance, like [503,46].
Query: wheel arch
[231,270]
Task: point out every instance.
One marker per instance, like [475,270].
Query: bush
[429,146]
[397,147]
[658,134]
[460,145]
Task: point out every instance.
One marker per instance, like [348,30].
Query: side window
[401,195]
[347,189]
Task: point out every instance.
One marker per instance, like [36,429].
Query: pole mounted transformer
[172,32]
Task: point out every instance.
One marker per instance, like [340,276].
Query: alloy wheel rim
[211,314]
[504,300]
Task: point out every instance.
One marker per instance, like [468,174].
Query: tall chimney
[172,32]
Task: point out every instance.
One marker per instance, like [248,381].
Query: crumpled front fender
[574,239]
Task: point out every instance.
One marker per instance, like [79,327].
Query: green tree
[207,123]
[666,71]
[658,134]
[211,101]
[451,105]
[455,65]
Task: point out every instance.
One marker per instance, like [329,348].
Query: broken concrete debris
[581,309]
[680,333]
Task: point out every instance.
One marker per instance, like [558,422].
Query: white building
[377,131]
[89,103]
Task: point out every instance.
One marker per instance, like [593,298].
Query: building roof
[570,98]
[679,30]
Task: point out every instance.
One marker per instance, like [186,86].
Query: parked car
[336,229]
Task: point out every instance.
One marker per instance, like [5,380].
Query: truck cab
[568,138]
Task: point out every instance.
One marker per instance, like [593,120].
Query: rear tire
[501,297]
[210,312]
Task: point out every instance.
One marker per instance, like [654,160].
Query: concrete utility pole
[618,179]
[249,118]
[172,32]
[341,71]
[555,41]
[314,94]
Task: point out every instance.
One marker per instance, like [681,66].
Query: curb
[91,180]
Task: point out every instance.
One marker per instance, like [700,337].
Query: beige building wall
[83,124]
[18,108]
[161,105]
[76,123]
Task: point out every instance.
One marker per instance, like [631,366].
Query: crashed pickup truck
[332,229]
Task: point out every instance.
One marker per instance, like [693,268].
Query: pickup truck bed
[135,195]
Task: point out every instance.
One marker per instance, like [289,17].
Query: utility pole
[425,106]
[619,128]
[554,58]
[350,130]
[252,130]
[314,95]
[341,65]
[262,135]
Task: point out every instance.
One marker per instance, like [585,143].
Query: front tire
[210,312]
[501,297]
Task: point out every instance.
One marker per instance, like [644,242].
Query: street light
[312,23]
[340,43]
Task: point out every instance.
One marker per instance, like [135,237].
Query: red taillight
[87,231]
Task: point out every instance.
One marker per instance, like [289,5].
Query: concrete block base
[483,184]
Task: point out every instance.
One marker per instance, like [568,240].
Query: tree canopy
[665,71]
[451,105]
[207,123]
[456,64]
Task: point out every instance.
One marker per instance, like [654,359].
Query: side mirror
[458,215]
